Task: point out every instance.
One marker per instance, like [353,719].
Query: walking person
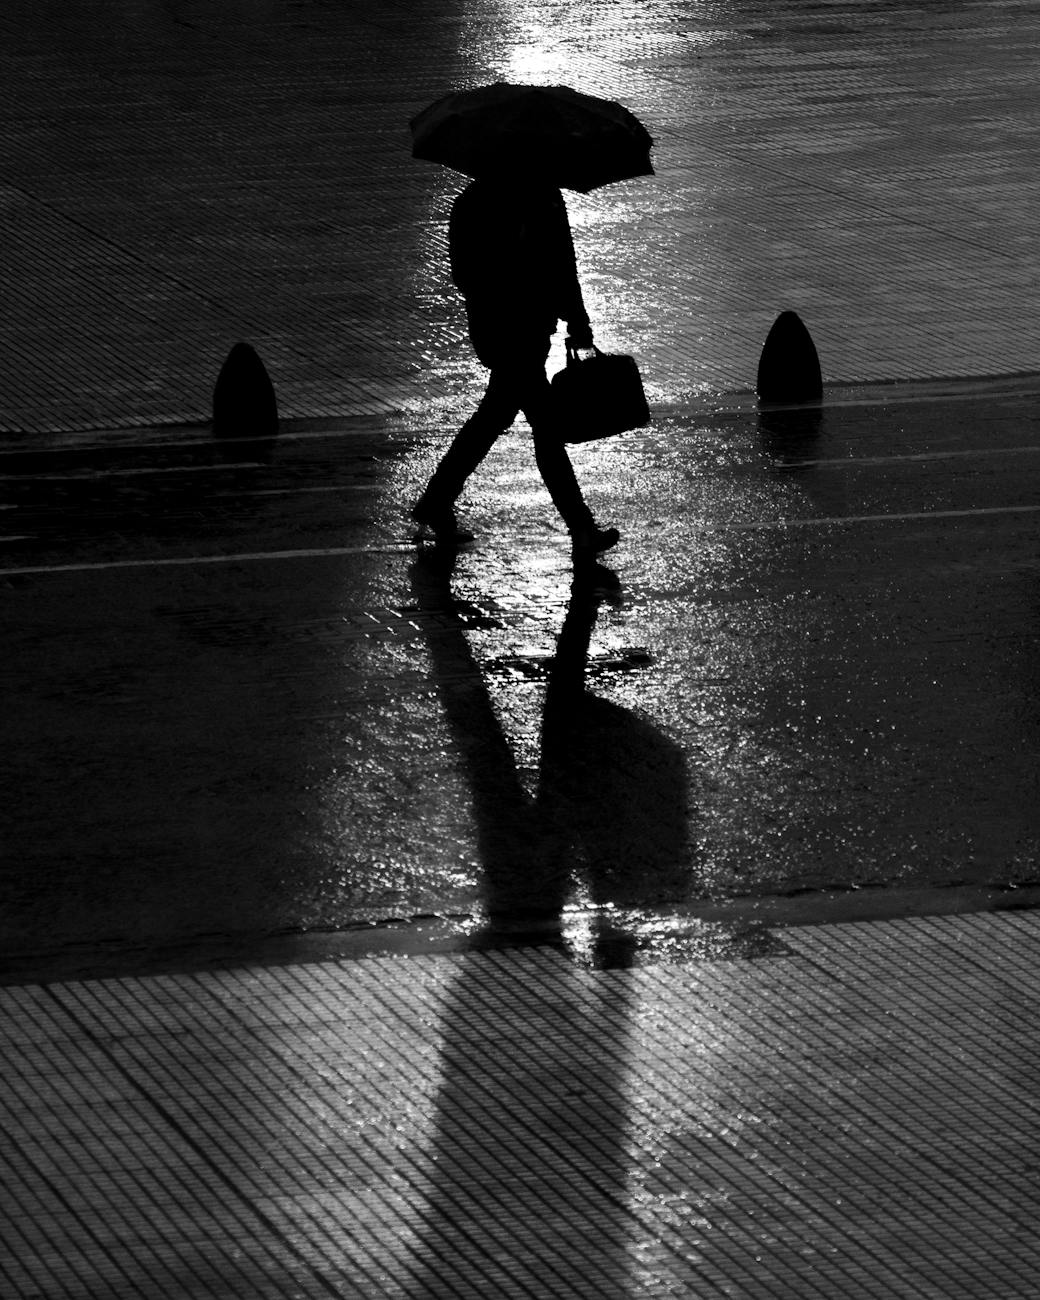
[512,258]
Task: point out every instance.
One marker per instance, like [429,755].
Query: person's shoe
[590,541]
[439,524]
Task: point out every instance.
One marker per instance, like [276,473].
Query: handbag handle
[572,352]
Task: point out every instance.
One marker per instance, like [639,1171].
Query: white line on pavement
[94,476]
[391,548]
[299,491]
[853,462]
[396,548]
[882,519]
[205,438]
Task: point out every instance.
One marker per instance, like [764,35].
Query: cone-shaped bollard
[789,368]
[244,404]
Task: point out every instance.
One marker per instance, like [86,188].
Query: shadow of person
[525,1172]
[518,896]
[612,790]
[611,809]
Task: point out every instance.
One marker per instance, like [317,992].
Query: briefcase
[598,396]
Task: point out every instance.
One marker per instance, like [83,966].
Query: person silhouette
[512,258]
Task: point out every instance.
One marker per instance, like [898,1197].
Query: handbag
[598,396]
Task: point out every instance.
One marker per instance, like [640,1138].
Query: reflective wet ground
[180,175]
[242,702]
[239,703]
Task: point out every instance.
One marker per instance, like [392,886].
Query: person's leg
[554,464]
[496,412]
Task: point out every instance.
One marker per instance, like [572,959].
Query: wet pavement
[470,926]
[243,703]
[244,172]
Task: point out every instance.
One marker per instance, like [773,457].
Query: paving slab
[852,1111]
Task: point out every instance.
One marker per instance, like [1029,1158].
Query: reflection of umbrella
[553,132]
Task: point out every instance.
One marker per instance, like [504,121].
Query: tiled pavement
[177,176]
[851,1113]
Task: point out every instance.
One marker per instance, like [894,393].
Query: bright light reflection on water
[535,54]
[735,665]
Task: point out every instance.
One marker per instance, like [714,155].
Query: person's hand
[579,334]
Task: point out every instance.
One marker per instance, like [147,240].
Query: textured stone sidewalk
[852,1113]
[179,176]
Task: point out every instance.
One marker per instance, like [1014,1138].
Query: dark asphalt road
[236,705]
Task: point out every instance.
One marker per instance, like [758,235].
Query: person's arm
[571,304]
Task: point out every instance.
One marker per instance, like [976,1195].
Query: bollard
[789,367]
[244,404]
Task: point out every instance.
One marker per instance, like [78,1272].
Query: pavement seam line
[197,1148]
[55,1188]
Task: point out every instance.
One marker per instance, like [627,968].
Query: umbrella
[553,132]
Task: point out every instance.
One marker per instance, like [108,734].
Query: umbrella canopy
[551,132]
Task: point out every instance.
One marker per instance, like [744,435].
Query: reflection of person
[513,259]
